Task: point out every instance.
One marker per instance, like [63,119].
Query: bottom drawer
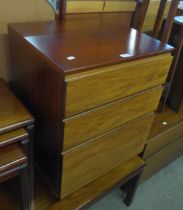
[89,161]
[162,158]
[165,138]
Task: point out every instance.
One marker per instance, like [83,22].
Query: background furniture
[15,145]
[176,90]
[127,7]
[165,142]
[13,162]
[88,83]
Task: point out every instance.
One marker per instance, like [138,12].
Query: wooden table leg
[130,187]
[25,189]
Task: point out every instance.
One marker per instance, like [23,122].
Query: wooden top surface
[13,114]
[94,41]
[165,120]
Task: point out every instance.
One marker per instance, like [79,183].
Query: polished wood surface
[163,139]
[90,158]
[11,157]
[90,124]
[88,57]
[13,115]
[12,137]
[91,89]
[93,37]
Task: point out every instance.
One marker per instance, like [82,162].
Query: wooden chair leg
[130,187]
[25,189]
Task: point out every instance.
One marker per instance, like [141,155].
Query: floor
[164,191]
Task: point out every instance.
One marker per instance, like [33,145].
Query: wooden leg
[130,188]
[31,160]
[25,189]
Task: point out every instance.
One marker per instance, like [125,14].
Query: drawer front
[161,158]
[89,161]
[158,142]
[93,88]
[90,124]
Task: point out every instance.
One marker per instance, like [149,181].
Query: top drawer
[90,89]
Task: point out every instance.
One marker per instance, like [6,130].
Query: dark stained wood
[11,157]
[99,45]
[159,19]
[140,14]
[13,115]
[45,101]
[175,95]
[169,22]
[12,137]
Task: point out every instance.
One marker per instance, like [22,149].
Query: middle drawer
[85,163]
[88,125]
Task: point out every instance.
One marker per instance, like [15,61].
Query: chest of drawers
[94,106]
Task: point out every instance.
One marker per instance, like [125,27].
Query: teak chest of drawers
[94,108]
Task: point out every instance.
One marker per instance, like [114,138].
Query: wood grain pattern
[13,114]
[89,160]
[165,138]
[12,137]
[91,89]
[100,186]
[84,6]
[79,6]
[10,157]
[119,6]
[88,125]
